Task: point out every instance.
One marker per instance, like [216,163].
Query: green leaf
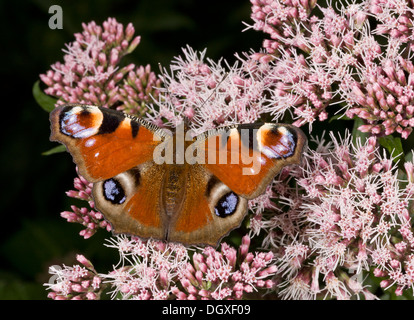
[58,149]
[393,145]
[339,117]
[359,134]
[46,102]
[409,156]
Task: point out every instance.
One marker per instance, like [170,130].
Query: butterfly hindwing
[130,201]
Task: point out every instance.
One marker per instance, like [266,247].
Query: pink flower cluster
[80,282]
[226,274]
[209,93]
[88,217]
[277,18]
[395,18]
[91,73]
[335,59]
[139,88]
[147,269]
[151,269]
[386,99]
[348,213]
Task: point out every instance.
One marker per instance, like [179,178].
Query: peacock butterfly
[153,183]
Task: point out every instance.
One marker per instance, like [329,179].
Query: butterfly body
[153,183]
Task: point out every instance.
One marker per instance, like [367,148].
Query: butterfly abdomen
[173,190]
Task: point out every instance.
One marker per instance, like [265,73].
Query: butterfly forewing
[103,142]
[248,157]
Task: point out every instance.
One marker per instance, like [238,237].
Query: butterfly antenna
[215,89]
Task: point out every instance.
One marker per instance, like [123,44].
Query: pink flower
[208,93]
[317,62]
[90,73]
[148,269]
[386,98]
[226,274]
[139,88]
[91,219]
[80,282]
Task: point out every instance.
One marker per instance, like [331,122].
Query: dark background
[33,236]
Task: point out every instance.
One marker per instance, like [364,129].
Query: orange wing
[103,142]
[247,157]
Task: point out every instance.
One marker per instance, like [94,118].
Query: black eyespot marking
[113,191]
[76,123]
[227,205]
[111,121]
[134,128]
[136,174]
[85,112]
[248,135]
[210,185]
[285,143]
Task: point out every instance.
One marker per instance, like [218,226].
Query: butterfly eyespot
[227,205]
[277,142]
[113,191]
[79,122]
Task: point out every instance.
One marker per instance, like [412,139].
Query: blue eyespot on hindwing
[113,191]
[227,205]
